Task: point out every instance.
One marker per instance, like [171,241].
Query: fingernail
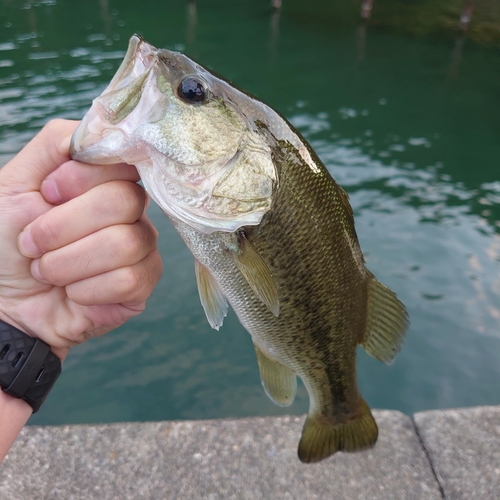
[35,271]
[50,191]
[27,246]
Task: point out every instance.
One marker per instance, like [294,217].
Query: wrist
[12,321]
[60,352]
[14,413]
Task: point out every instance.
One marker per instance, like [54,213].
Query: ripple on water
[405,142]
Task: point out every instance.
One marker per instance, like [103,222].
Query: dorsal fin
[279,382]
[387,322]
[257,274]
[212,299]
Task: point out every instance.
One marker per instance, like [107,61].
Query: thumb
[42,155]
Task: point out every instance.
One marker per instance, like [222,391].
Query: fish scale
[272,233]
[319,324]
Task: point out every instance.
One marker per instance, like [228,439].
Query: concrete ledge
[464,449]
[256,459]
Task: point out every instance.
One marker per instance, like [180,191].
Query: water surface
[409,126]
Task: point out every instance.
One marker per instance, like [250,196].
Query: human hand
[78,254]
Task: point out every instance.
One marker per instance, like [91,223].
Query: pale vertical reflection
[466,15]
[456,58]
[274,31]
[33,25]
[32,22]
[366,9]
[192,20]
[361,32]
[106,17]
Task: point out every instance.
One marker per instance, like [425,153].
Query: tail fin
[321,439]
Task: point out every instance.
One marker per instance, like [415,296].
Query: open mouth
[103,137]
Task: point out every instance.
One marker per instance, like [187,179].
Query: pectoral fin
[279,382]
[387,322]
[257,274]
[212,299]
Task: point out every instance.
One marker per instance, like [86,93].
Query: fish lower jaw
[95,143]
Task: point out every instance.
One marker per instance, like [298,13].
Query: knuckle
[145,236]
[141,279]
[152,270]
[53,125]
[57,127]
[134,242]
[126,198]
[151,231]
[49,270]
[125,244]
[45,233]
[130,282]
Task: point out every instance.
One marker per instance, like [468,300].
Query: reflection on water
[441,219]
[408,126]
[191,22]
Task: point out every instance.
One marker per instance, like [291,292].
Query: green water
[410,126]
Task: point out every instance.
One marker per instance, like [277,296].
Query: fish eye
[192,90]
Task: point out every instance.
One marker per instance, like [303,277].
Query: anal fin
[212,299]
[387,322]
[279,382]
[257,274]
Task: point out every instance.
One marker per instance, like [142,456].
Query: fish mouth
[97,140]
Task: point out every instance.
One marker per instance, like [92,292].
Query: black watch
[28,368]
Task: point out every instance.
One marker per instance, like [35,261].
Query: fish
[271,232]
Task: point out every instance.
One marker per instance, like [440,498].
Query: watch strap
[28,368]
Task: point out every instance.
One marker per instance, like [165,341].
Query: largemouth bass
[271,232]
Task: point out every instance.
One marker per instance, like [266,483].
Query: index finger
[73,178]
[112,203]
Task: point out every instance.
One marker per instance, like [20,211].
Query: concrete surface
[256,458]
[464,447]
